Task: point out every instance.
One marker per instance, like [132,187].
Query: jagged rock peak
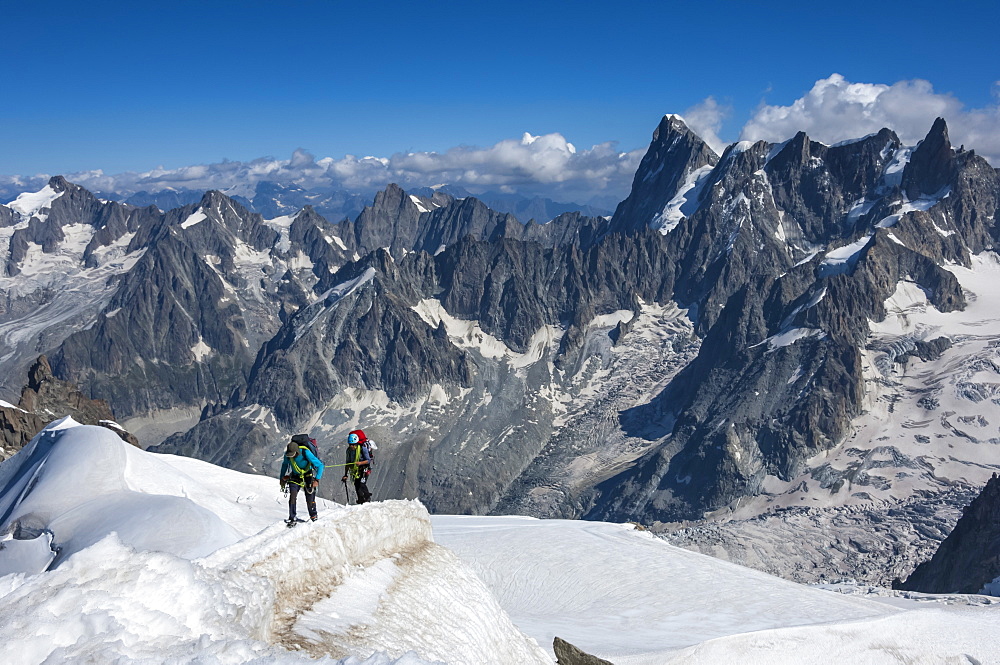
[674,154]
[60,184]
[797,149]
[670,125]
[39,373]
[930,166]
[78,193]
[389,198]
[213,198]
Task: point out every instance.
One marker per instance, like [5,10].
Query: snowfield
[112,554]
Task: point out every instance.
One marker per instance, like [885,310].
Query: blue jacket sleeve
[284,468]
[317,465]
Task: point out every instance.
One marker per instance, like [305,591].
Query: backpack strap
[295,466]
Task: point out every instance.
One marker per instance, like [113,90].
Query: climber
[358,465]
[301,469]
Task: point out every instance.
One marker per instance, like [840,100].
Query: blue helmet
[352,438]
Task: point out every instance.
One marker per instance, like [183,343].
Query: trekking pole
[347,497]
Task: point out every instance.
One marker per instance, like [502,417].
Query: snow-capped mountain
[750,334]
[274,199]
[110,553]
[793,250]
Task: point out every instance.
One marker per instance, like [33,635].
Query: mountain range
[753,346]
[273,199]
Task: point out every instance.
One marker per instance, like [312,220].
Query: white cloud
[705,120]
[546,165]
[836,110]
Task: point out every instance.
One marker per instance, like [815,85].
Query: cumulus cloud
[836,109]
[705,120]
[546,165]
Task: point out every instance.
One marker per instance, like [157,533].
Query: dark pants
[361,488]
[293,494]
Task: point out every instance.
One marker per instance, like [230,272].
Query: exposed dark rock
[567,654]
[931,166]
[673,155]
[778,377]
[224,439]
[931,350]
[969,557]
[185,323]
[143,353]
[124,434]
[6,217]
[45,394]
[365,336]
[17,427]
[45,399]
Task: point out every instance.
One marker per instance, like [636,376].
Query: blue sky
[132,86]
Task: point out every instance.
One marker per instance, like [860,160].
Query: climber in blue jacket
[300,469]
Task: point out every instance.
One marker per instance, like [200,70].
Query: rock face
[969,558]
[394,332]
[710,349]
[17,427]
[44,399]
[778,377]
[567,654]
[676,163]
[47,394]
[402,222]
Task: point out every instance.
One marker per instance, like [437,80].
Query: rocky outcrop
[932,166]
[567,654]
[17,427]
[45,394]
[969,558]
[45,399]
[571,228]
[391,221]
